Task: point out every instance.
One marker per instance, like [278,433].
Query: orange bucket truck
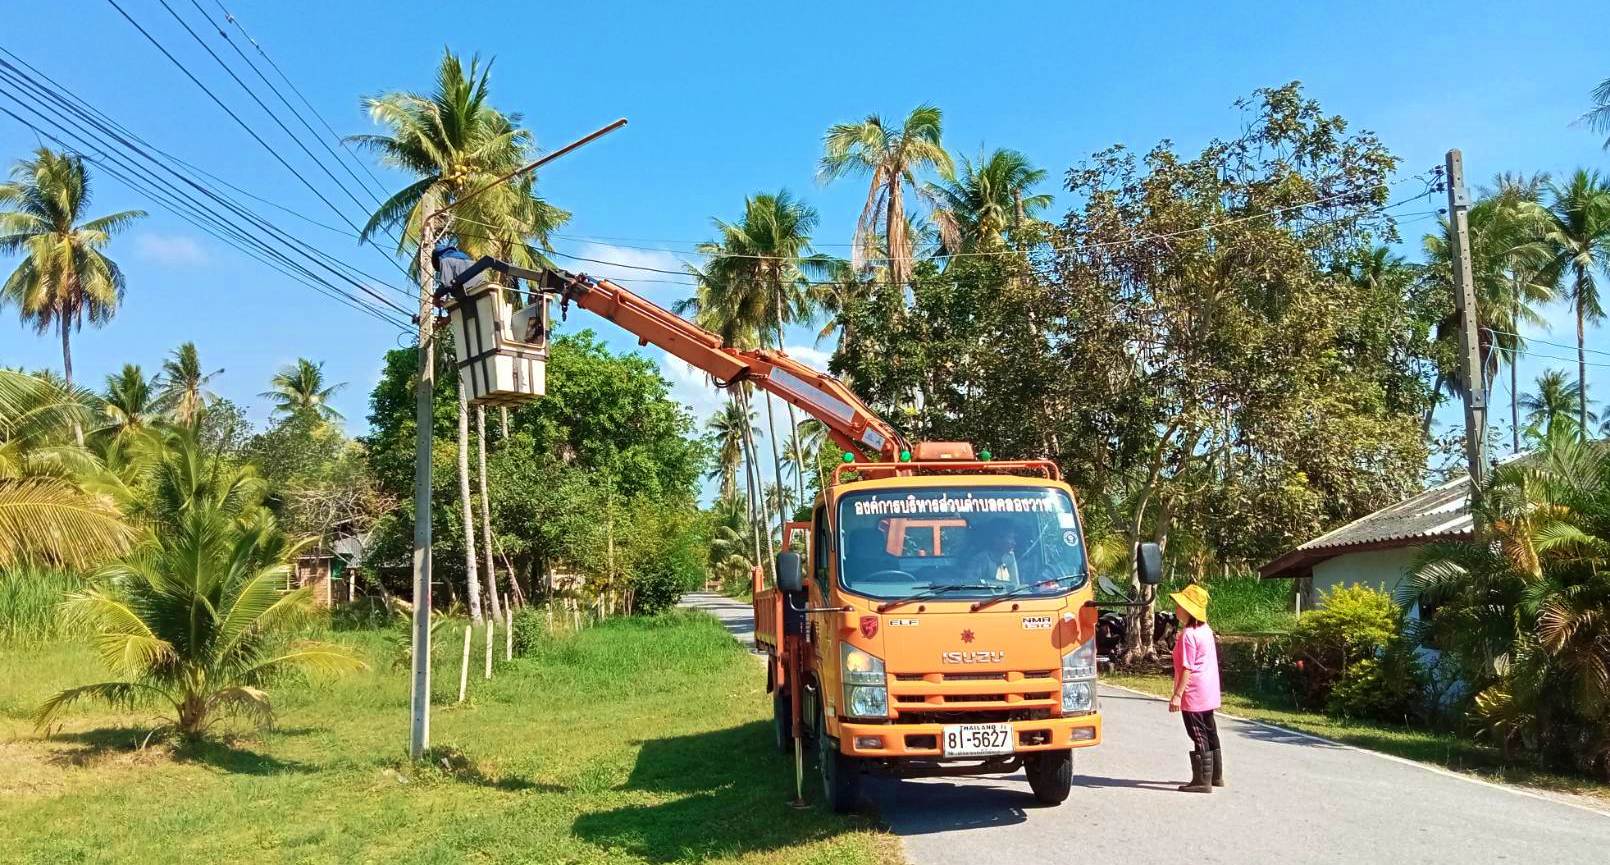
[935,616]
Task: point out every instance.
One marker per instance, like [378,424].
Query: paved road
[1291,799]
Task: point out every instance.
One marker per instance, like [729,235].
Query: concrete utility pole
[432,228]
[424,416]
[1464,299]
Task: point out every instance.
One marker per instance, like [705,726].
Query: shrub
[1351,658]
[530,629]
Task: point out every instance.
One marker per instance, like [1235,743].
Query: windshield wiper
[931,592]
[1020,591]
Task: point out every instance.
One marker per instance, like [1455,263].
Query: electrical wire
[378,183]
[1081,247]
[102,132]
[175,199]
[373,196]
[691,279]
[1545,342]
[107,127]
[236,117]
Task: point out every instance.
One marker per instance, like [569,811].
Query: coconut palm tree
[65,276]
[1598,117]
[756,282]
[195,619]
[1506,260]
[130,406]
[892,158]
[1575,229]
[727,430]
[183,384]
[299,387]
[48,515]
[1554,408]
[987,201]
[452,142]
[806,442]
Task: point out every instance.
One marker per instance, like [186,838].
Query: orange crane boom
[849,421]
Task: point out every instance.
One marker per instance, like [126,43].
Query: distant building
[330,572]
[1377,550]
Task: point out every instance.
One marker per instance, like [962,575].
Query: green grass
[1425,746]
[1244,604]
[633,741]
[30,606]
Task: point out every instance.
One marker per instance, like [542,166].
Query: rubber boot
[1201,773]
[1218,767]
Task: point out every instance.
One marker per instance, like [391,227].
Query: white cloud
[814,358]
[173,250]
[692,388]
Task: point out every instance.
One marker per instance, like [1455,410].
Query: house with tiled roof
[1379,549]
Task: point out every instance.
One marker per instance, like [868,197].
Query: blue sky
[727,99]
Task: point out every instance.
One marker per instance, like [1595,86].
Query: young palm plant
[49,515]
[195,620]
[1522,610]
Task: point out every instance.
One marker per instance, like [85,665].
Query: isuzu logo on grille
[979,657]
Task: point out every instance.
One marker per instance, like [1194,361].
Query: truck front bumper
[893,741]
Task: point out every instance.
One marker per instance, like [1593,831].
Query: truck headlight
[866,691]
[1081,662]
[1078,678]
[868,702]
[1077,697]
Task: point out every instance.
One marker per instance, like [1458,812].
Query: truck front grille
[978,696]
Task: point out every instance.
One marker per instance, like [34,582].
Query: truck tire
[1050,775]
[841,775]
[781,720]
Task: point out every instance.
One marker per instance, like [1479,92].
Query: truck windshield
[974,542]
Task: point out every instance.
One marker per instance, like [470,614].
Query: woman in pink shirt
[1196,688]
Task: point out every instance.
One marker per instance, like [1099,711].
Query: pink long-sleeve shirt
[1194,650]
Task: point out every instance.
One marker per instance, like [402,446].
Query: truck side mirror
[788,575]
[1149,563]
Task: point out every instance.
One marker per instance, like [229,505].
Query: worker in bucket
[1196,688]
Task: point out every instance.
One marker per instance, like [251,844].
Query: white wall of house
[1381,569]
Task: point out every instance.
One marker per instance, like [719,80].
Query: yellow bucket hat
[1194,599]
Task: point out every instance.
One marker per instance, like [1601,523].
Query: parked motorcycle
[1112,628]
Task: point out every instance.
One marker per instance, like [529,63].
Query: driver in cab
[996,560]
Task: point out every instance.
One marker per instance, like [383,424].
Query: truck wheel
[781,720]
[1050,775]
[841,776]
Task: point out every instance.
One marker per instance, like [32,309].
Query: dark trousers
[1203,732]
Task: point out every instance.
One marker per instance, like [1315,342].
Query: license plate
[977,740]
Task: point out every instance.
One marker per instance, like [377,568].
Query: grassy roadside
[1438,749]
[635,741]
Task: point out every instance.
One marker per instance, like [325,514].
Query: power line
[103,128]
[107,127]
[1082,247]
[1545,342]
[183,204]
[378,183]
[235,117]
[692,278]
[378,200]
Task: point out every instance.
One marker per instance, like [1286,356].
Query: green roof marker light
[905,456]
[985,455]
[848,457]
